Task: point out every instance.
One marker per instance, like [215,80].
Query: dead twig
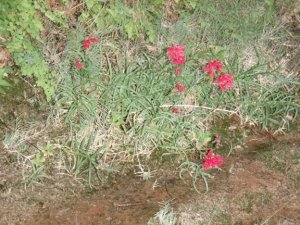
[200,106]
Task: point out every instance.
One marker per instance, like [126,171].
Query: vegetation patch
[126,83]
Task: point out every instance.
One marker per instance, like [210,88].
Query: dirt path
[260,185]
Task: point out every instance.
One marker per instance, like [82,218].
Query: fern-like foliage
[21,26]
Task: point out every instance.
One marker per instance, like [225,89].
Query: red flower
[225,82]
[176,110]
[180,87]
[95,40]
[212,161]
[170,53]
[212,67]
[179,59]
[176,50]
[87,44]
[176,54]
[177,71]
[79,64]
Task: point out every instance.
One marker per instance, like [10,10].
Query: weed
[81,161]
[195,172]
[164,216]
[145,174]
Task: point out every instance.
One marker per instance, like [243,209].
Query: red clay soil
[254,194]
[131,201]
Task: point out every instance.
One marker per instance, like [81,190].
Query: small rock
[238,149]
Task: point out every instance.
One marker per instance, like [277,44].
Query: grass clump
[164,216]
[115,100]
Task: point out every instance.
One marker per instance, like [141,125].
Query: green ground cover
[113,102]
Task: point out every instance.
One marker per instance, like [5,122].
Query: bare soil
[258,185]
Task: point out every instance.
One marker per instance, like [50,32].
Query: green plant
[81,161]
[132,102]
[165,216]
[195,170]
[135,19]
[38,164]
[4,84]
[129,20]
[21,27]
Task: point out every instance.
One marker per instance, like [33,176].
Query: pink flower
[212,67]
[176,54]
[180,87]
[225,82]
[212,161]
[177,71]
[79,64]
[95,40]
[176,110]
[87,44]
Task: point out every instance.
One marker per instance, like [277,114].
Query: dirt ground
[259,184]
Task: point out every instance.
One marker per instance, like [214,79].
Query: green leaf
[90,3]
[205,138]
[130,29]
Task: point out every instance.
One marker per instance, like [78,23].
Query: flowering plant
[212,161]
[87,43]
[180,87]
[212,67]
[176,54]
[223,80]
[79,64]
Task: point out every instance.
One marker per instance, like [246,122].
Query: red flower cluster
[224,81]
[79,64]
[87,43]
[212,67]
[212,161]
[180,87]
[176,54]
